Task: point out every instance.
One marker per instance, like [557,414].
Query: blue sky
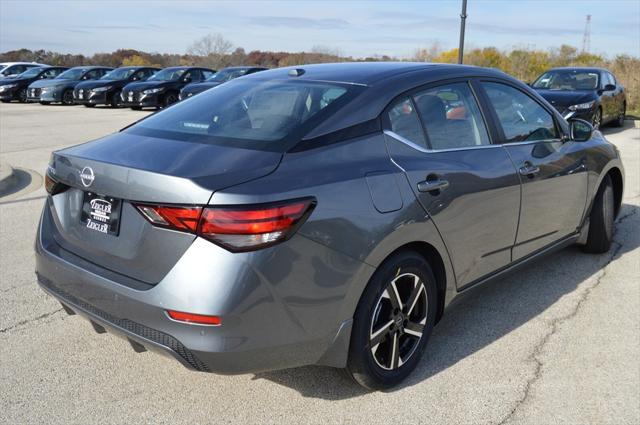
[355,28]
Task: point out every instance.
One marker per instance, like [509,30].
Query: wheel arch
[618,187]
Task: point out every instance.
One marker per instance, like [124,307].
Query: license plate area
[101,213]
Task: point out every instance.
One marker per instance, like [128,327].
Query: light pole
[463,17]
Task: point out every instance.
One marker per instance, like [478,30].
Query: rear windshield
[255,114]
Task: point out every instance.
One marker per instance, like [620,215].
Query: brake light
[200,319]
[173,217]
[52,186]
[238,228]
[252,227]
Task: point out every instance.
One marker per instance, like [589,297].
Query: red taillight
[241,228]
[173,217]
[246,228]
[200,319]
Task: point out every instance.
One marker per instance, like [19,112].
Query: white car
[8,69]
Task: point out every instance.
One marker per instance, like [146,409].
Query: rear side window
[404,121]
[521,117]
[248,113]
[451,117]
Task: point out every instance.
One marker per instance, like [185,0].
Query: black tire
[22,95]
[45,103]
[137,108]
[89,105]
[619,122]
[115,100]
[67,97]
[169,99]
[601,220]
[381,365]
[596,121]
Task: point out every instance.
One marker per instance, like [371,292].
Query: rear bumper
[267,324]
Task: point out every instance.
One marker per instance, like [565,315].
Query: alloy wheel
[398,321]
[597,119]
[67,97]
[22,95]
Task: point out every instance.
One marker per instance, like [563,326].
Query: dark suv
[163,88]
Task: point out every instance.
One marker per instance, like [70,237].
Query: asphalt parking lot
[558,342]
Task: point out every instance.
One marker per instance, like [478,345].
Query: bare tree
[210,50]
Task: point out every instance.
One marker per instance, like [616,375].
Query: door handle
[528,169]
[432,185]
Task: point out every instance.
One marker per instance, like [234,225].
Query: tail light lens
[199,319]
[173,217]
[52,186]
[236,228]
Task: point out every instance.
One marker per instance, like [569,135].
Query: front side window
[206,74]
[404,121]
[521,117]
[252,113]
[451,117]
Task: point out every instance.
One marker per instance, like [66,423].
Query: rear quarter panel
[345,219]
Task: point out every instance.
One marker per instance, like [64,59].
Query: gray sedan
[325,215]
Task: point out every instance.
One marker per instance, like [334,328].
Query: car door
[607,97]
[468,186]
[552,169]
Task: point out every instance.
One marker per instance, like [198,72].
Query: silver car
[318,215]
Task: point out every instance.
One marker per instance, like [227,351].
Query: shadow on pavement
[478,318]
[20,180]
[608,129]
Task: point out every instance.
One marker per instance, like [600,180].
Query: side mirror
[609,87]
[581,130]
[186,79]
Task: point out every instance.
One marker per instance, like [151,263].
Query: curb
[7,177]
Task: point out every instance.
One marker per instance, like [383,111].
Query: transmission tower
[586,38]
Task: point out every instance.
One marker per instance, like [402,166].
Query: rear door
[468,186]
[552,169]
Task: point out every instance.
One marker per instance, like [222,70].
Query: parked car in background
[163,88]
[323,214]
[60,89]
[220,77]
[8,69]
[16,88]
[107,90]
[592,94]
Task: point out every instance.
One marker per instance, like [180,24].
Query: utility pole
[586,38]
[463,17]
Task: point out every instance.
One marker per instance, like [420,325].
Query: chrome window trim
[466,148]
[425,150]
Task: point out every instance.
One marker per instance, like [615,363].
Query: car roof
[368,73]
[21,63]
